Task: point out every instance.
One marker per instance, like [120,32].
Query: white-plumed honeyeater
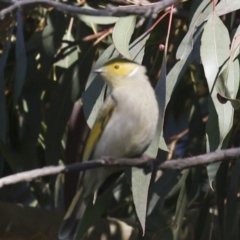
[124,127]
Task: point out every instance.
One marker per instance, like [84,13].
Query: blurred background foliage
[49,99]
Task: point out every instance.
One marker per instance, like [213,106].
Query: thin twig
[150,10]
[148,164]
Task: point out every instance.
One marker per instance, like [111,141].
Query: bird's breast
[132,125]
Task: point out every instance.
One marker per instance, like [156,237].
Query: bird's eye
[116,66]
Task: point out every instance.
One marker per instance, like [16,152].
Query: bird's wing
[78,205]
[104,115]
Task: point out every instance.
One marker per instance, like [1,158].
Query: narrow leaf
[214,48]
[181,206]
[3,114]
[21,59]
[140,185]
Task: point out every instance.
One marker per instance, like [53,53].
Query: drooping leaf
[228,81]
[215,53]
[137,48]
[161,188]
[70,54]
[141,180]
[3,114]
[180,209]
[101,20]
[227,6]
[21,59]
[140,185]
[215,48]
[122,34]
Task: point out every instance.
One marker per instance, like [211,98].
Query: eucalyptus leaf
[228,6]
[140,185]
[70,54]
[215,48]
[101,20]
[181,206]
[215,53]
[3,113]
[21,59]
[122,34]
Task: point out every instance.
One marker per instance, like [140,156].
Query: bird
[124,128]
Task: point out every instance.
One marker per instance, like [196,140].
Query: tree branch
[144,162]
[150,10]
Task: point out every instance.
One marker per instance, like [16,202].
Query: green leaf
[3,114]
[214,48]
[140,185]
[21,59]
[227,6]
[218,126]
[122,34]
[161,188]
[137,48]
[200,11]
[141,180]
[59,193]
[160,91]
[186,47]
[70,54]
[100,20]
[181,206]
[228,81]
[215,53]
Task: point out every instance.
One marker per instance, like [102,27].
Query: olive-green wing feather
[104,115]
[78,205]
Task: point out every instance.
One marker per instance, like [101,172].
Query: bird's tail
[73,217]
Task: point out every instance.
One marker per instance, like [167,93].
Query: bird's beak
[99,70]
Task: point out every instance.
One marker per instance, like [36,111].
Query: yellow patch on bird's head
[118,69]
[121,67]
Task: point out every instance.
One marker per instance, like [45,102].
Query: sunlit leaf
[215,53]
[101,20]
[122,34]
[137,48]
[227,6]
[215,48]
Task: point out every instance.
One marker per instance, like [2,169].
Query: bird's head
[118,70]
